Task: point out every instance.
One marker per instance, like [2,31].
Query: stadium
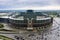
[28,19]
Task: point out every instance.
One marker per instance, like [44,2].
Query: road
[52,33]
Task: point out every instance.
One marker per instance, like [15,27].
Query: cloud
[15,4]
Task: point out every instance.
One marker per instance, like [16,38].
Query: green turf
[5,38]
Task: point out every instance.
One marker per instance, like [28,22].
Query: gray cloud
[25,3]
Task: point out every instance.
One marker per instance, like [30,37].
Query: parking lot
[52,33]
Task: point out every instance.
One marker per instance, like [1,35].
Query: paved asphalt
[52,33]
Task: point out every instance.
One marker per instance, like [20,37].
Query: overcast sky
[30,4]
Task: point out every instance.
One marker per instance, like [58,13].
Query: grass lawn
[7,30]
[5,38]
